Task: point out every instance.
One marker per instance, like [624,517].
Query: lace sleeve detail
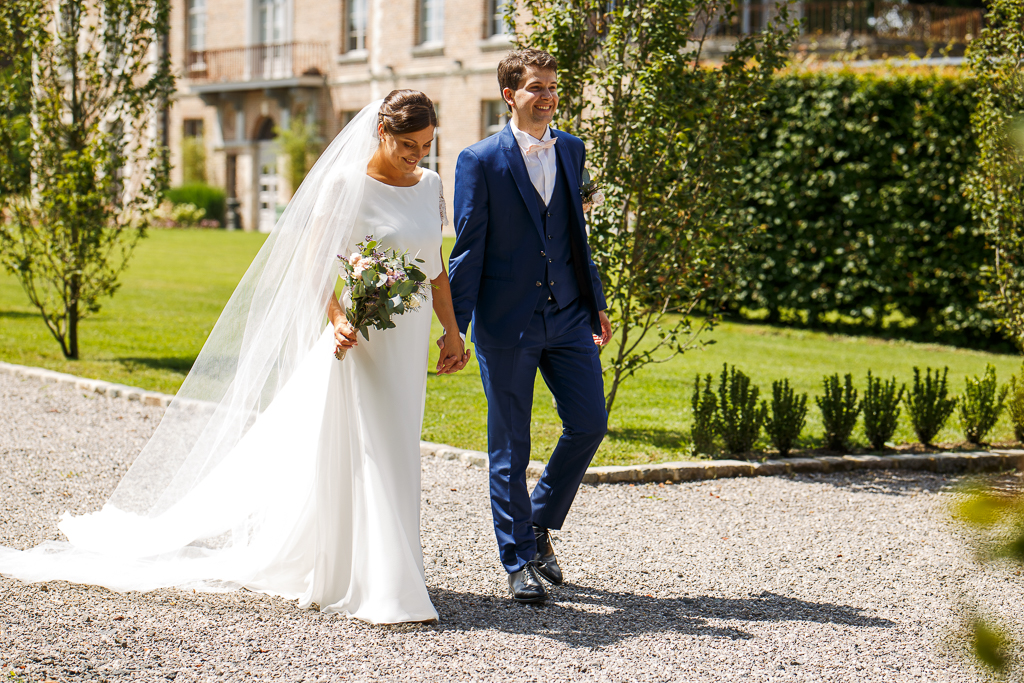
[442,206]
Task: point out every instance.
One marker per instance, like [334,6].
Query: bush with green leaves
[857,177]
[981,405]
[206,197]
[786,418]
[995,185]
[839,410]
[929,404]
[881,410]
[739,418]
[705,410]
[1015,404]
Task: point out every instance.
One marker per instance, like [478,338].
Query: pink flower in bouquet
[354,258]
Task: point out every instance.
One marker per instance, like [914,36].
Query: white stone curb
[978,461]
[97,386]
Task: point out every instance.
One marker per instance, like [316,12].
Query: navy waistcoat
[560,276]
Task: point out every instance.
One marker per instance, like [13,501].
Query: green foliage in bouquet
[705,410]
[667,133]
[382,284]
[739,417]
[981,405]
[995,186]
[928,404]
[786,418]
[1016,405]
[839,410]
[881,410]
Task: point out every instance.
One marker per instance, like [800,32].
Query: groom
[521,270]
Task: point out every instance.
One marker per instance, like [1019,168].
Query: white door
[267,194]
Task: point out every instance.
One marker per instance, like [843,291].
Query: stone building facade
[246,67]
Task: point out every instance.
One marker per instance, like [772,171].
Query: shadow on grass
[587,618]
[668,439]
[20,315]
[179,365]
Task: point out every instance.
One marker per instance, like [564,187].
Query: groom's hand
[606,329]
[454,356]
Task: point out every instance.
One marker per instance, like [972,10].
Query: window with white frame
[432,160]
[431,22]
[495,116]
[271,22]
[196,25]
[495,18]
[355,25]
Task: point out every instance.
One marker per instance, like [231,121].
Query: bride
[278,468]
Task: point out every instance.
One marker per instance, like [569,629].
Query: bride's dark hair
[406,111]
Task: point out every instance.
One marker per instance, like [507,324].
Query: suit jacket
[498,256]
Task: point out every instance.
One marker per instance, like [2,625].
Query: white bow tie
[534,149]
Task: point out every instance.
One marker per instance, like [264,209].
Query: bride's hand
[454,354]
[344,335]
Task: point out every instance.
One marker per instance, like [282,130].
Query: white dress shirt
[542,164]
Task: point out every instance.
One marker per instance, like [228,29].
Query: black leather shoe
[525,585]
[544,560]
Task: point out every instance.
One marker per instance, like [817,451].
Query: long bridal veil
[212,496]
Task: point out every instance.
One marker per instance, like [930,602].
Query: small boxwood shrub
[929,404]
[839,411]
[981,405]
[1015,404]
[881,410]
[739,417]
[705,411]
[786,417]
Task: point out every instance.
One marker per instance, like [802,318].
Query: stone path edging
[977,461]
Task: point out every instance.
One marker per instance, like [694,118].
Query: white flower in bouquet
[381,284]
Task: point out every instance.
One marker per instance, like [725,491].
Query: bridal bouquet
[382,283]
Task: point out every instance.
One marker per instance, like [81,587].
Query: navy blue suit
[521,272]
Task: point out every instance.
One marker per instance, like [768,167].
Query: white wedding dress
[325,481]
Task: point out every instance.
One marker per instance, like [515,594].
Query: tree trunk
[72,347]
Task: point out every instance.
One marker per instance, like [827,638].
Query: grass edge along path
[178,281]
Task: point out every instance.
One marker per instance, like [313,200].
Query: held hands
[606,330]
[454,354]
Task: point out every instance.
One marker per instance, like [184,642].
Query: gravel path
[817,578]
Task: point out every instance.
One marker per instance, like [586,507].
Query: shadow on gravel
[887,482]
[586,617]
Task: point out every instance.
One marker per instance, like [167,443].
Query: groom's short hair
[512,68]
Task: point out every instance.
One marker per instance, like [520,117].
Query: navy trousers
[559,343]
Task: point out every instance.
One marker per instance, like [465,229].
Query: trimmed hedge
[203,196]
[856,178]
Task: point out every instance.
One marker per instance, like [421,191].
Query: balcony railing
[257,63]
[885,20]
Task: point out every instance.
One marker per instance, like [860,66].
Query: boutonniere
[590,193]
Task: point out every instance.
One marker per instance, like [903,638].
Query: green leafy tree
[301,144]
[666,134]
[995,186]
[97,75]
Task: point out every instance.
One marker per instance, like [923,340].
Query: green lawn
[150,332]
